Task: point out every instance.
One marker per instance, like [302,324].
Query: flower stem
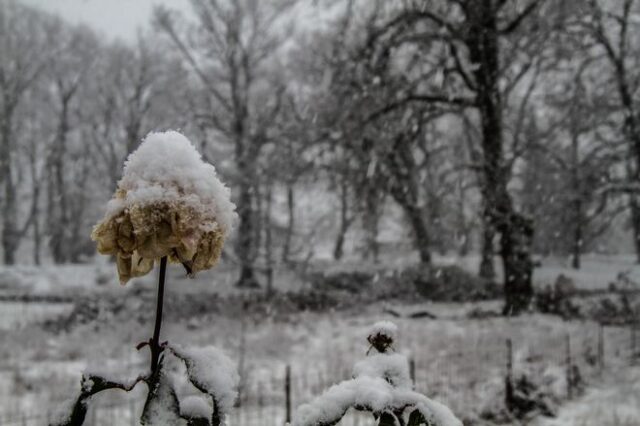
[155,347]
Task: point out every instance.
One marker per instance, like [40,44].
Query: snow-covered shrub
[382,385]
[169,205]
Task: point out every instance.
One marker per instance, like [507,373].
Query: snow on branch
[381,384]
[212,373]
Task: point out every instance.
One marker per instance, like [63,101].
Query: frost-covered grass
[459,361]
[613,402]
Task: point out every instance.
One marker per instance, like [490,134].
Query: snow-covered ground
[596,271]
[459,360]
[615,401]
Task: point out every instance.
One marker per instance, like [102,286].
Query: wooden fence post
[601,347]
[569,368]
[633,339]
[287,394]
[509,377]
[412,371]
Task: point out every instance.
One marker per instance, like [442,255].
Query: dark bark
[10,234]
[345,221]
[268,240]
[634,206]
[35,207]
[632,131]
[631,126]
[404,190]
[58,209]
[577,205]
[515,231]
[577,235]
[246,153]
[286,247]
[371,218]
[244,245]
[420,233]
[463,229]
[487,269]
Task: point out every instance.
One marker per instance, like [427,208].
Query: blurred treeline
[499,127]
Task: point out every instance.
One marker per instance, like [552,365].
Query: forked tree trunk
[420,232]
[516,232]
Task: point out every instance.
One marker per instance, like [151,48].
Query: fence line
[459,379]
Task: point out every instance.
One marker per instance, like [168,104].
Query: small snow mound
[394,368]
[195,407]
[212,372]
[167,167]
[108,372]
[373,393]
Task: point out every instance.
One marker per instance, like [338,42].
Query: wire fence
[468,381]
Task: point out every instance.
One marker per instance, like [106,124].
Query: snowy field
[458,359]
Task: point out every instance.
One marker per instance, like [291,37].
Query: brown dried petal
[140,266]
[124,268]
[143,233]
[105,234]
[126,237]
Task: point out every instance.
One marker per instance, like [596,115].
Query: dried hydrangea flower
[168,203]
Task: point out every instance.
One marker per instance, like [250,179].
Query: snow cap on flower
[169,202]
[382,334]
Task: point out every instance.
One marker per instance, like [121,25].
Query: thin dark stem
[155,347]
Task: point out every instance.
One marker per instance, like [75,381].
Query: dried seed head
[168,203]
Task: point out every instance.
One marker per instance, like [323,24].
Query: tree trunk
[35,207]
[244,245]
[286,247]
[516,232]
[338,249]
[58,213]
[420,232]
[635,222]
[577,238]
[10,232]
[632,131]
[577,204]
[462,234]
[487,270]
[245,248]
[268,240]
[405,191]
[371,218]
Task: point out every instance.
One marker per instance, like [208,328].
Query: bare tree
[67,72]
[25,51]
[230,51]
[611,24]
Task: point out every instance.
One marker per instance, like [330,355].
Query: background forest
[471,148]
